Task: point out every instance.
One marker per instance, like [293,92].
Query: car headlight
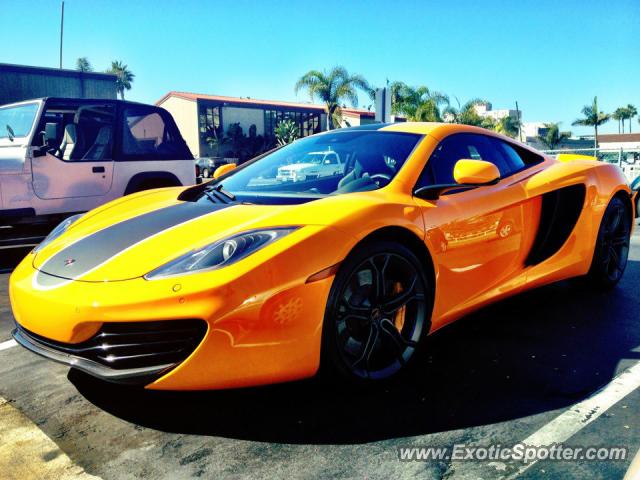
[56,232]
[221,253]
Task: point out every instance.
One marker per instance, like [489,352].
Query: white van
[60,156]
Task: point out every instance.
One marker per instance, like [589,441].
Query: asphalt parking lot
[499,376]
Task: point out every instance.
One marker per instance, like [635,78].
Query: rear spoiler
[570,157]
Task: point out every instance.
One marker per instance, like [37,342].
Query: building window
[308,122]
[209,121]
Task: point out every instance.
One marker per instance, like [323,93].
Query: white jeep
[60,156]
[313,165]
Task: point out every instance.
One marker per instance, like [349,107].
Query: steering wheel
[383,176]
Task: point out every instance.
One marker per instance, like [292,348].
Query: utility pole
[519,122]
[61,32]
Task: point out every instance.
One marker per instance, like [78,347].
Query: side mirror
[50,132]
[475,172]
[467,174]
[223,169]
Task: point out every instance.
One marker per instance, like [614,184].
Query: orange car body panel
[264,318]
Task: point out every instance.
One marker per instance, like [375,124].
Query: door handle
[97,169]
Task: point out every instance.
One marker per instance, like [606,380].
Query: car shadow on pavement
[538,351]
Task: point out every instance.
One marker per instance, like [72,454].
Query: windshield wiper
[11,133]
[229,195]
[221,195]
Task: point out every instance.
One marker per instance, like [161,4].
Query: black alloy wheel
[378,311]
[612,245]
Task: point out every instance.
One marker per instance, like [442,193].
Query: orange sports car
[342,250]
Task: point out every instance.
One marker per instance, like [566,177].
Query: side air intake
[560,212]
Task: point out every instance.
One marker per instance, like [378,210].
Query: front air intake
[134,345]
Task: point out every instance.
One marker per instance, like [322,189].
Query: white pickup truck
[60,156]
[312,165]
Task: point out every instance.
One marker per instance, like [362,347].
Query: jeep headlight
[221,253]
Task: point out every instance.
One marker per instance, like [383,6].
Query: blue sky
[551,56]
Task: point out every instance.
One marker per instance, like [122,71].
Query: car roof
[438,130]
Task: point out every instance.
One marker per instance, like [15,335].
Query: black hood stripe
[93,250]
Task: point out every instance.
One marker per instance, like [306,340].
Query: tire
[612,246]
[205,173]
[372,334]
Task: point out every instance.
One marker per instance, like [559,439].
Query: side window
[508,158]
[515,163]
[518,157]
[331,159]
[439,168]
[147,134]
[82,132]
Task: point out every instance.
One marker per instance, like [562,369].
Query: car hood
[132,236]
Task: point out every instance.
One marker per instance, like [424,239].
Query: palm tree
[619,115]
[418,104]
[632,111]
[509,126]
[334,89]
[553,136]
[124,77]
[467,113]
[83,65]
[592,118]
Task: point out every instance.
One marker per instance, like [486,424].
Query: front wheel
[377,314]
[612,246]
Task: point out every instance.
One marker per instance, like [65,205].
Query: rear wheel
[377,313]
[612,246]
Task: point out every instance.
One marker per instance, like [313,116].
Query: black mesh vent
[136,344]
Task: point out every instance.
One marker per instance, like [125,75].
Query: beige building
[485,110]
[354,117]
[626,141]
[199,116]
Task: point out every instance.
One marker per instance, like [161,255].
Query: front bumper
[135,353]
[263,319]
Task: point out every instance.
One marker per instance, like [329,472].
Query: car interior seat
[71,142]
[101,147]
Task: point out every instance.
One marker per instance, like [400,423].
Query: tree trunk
[595,140]
[330,111]
[121,94]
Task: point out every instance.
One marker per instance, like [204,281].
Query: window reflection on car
[329,163]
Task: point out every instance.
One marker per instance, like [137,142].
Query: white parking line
[7,344]
[582,414]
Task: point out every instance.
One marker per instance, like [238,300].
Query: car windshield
[17,121]
[336,162]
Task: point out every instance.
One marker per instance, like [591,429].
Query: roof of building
[240,101]
[618,137]
[358,111]
[58,72]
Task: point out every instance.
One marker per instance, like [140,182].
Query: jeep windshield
[16,121]
[371,159]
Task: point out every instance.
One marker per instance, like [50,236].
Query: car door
[479,236]
[78,161]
